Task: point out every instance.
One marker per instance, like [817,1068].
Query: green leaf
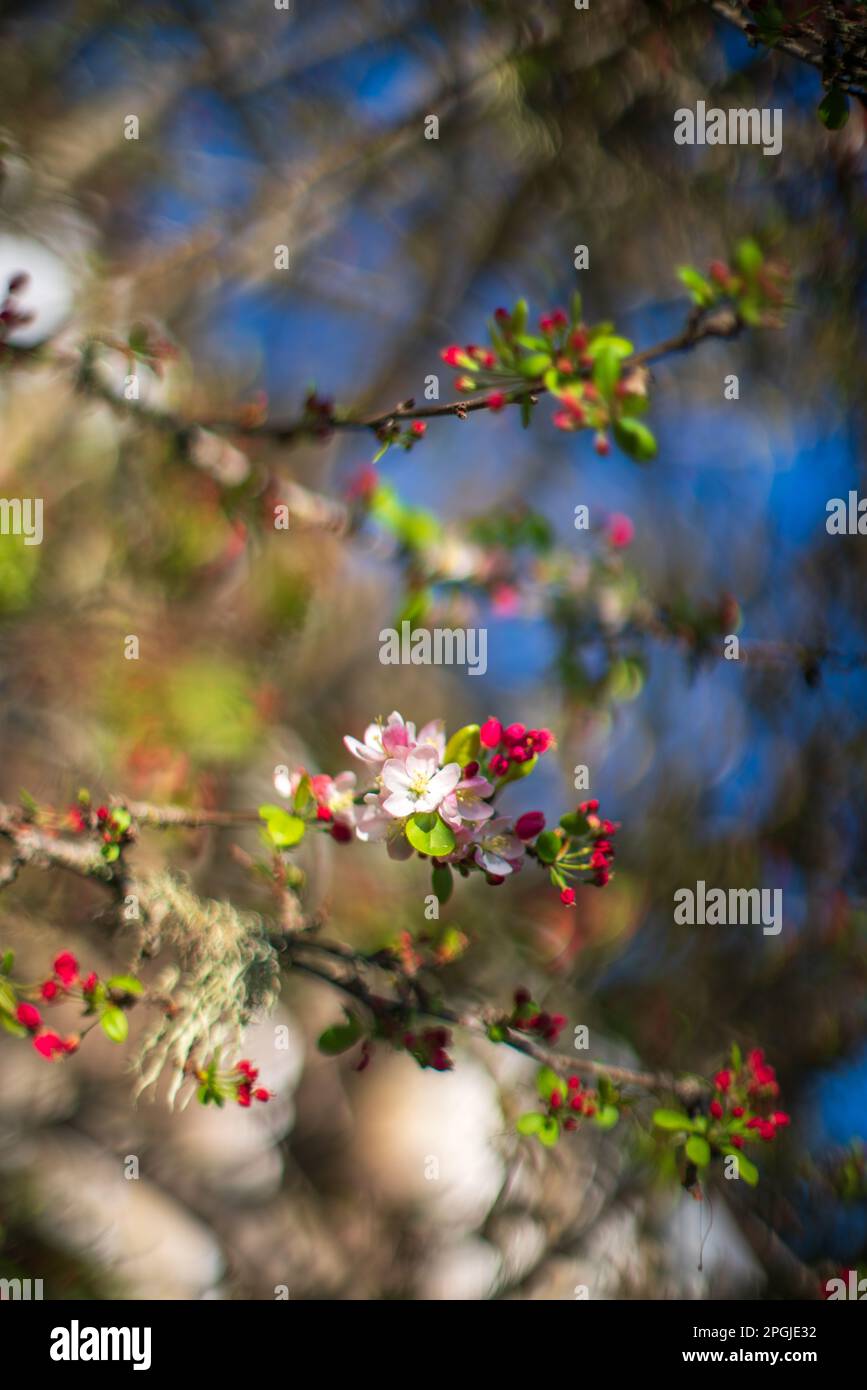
[737,1058]
[110,853]
[303,793]
[11,1025]
[8,999]
[340,1036]
[7,963]
[530,1123]
[121,818]
[834,110]
[442,882]
[549,1133]
[535,365]
[463,746]
[428,833]
[604,343]
[635,439]
[381,451]
[115,1024]
[548,846]
[701,290]
[672,1119]
[747,1170]
[519,316]
[698,1151]
[518,770]
[607,1117]
[547,1082]
[128,984]
[284,829]
[526,415]
[749,257]
[574,823]
[606,369]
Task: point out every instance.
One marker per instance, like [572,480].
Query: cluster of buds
[585,368]
[754,285]
[742,1111]
[237,1083]
[512,744]
[745,1094]
[391,433]
[580,848]
[429,1048]
[529,1017]
[21,1005]
[565,1104]
[112,824]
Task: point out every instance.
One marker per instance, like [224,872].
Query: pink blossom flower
[466,802]
[498,849]
[383,741]
[620,530]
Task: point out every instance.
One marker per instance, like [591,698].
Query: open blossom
[466,802]
[381,741]
[498,849]
[417,783]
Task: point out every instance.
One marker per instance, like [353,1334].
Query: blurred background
[260,129]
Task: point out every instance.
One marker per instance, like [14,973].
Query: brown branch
[789,44]
[721,323]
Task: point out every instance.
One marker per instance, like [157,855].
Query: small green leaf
[428,833]
[635,439]
[121,818]
[747,1170]
[7,963]
[607,1117]
[11,1025]
[530,1123]
[519,317]
[110,853]
[8,999]
[442,882]
[535,365]
[701,290]
[834,110]
[698,1151]
[115,1024]
[737,1058]
[606,369]
[574,823]
[340,1036]
[549,1133]
[672,1119]
[303,793]
[749,257]
[127,984]
[547,1082]
[284,829]
[463,746]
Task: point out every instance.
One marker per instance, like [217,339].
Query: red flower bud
[491,733]
[66,968]
[529,825]
[567,896]
[29,1015]
[716,1110]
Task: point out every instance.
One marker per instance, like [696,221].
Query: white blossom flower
[417,783]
